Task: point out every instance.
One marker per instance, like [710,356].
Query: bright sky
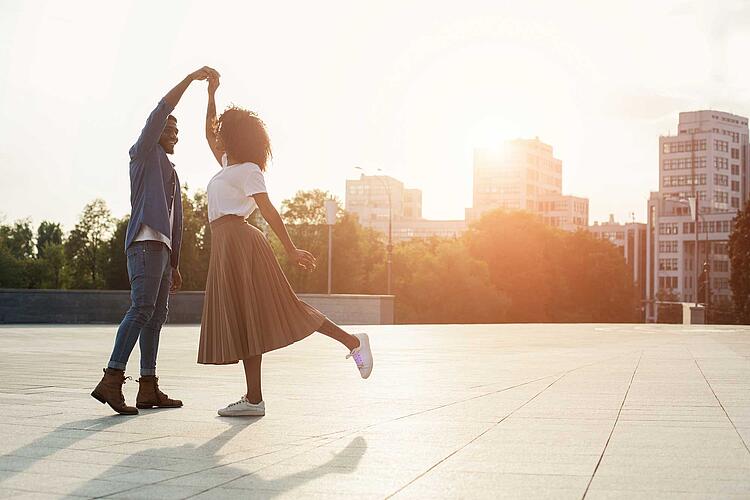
[407,86]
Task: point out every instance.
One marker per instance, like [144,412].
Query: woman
[249,307]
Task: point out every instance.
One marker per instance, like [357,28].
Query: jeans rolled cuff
[147,372]
[116,365]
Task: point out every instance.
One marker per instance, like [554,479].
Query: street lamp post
[389,247]
[331,209]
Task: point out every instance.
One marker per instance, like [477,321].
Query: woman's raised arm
[213,84]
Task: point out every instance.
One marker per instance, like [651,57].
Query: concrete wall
[109,306]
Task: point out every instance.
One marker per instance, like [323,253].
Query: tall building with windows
[525,175]
[707,160]
[368,197]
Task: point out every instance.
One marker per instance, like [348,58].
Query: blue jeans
[150,278]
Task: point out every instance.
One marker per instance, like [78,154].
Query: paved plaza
[450,411]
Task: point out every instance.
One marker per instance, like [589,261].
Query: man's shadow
[61,438]
[344,462]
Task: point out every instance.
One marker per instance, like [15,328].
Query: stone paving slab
[451,411]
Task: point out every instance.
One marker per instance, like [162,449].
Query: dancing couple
[249,307]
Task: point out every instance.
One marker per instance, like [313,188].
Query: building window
[721,283]
[720,248]
[735,186]
[721,197]
[667,282]
[669,246]
[720,266]
[684,146]
[735,170]
[720,145]
[721,163]
[735,154]
[668,264]
[721,180]
[668,228]
[735,202]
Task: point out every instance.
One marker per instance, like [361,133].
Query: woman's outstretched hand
[213,82]
[303,259]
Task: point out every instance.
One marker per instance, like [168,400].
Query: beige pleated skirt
[249,306]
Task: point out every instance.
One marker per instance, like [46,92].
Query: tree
[739,259]
[116,265]
[550,275]
[595,284]
[520,252]
[19,239]
[195,250]
[86,247]
[48,233]
[438,281]
[305,218]
[307,208]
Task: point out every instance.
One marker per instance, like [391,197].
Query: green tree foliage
[86,247]
[116,266]
[195,251]
[739,258]
[508,267]
[594,283]
[520,253]
[438,281]
[19,239]
[550,275]
[306,208]
[48,233]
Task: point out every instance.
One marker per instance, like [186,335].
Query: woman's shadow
[343,462]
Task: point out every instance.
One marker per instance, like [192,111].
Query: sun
[492,133]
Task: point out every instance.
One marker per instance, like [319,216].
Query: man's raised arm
[158,118]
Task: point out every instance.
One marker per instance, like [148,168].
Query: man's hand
[203,73]
[176,280]
[173,96]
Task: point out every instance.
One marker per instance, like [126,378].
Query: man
[152,245]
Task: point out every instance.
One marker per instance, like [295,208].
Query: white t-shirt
[147,233]
[230,192]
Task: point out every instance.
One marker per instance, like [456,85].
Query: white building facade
[525,175]
[368,198]
[707,160]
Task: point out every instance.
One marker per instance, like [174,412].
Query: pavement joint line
[495,424]
[313,448]
[359,430]
[614,425]
[721,405]
[475,438]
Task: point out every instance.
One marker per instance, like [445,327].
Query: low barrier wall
[109,306]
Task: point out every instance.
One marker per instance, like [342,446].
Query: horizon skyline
[415,103]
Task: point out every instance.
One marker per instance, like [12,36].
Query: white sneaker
[244,408]
[362,355]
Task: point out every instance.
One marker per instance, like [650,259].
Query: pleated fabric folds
[249,306]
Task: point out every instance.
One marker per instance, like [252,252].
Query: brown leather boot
[149,395]
[109,391]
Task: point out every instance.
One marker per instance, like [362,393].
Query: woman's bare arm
[213,84]
[303,258]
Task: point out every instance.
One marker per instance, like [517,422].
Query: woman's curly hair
[244,136]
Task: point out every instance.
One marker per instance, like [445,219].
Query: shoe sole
[101,399]
[148,407]
[242,415]
[367,339]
